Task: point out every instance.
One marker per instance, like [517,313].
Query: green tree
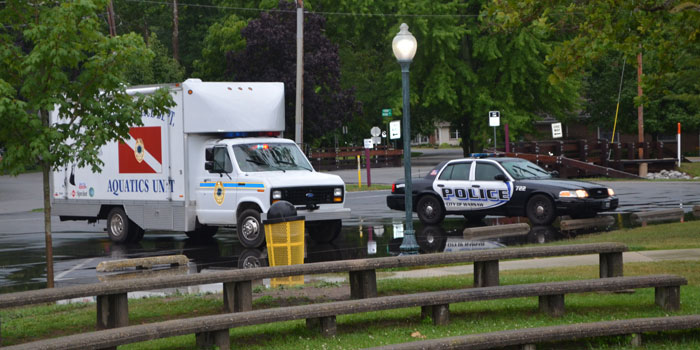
[55,58]
[160,68]
[270,55]
[222,37]
[664,31]
[462,69]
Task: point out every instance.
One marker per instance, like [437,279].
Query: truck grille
[308,195]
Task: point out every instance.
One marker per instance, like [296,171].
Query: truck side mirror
[500,177]
[209,154]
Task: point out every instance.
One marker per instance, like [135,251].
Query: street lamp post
[404,46]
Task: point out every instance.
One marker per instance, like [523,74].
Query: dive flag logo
[142,152]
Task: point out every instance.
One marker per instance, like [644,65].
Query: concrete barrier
[575,224]
[496,231]
[142,263]
[645,217]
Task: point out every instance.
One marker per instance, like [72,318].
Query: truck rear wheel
[120,228]
[251,232]
[324,231]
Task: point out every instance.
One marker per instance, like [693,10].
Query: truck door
[453,185]
[216,198]
[490,188]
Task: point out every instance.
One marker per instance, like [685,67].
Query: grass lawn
[356,188]
[692,169]
[398,326]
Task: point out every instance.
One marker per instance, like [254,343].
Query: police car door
[216,197]
[452,184]
[487,190]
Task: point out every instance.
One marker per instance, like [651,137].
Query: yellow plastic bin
[284,234]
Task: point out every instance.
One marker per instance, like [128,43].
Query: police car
[476,187]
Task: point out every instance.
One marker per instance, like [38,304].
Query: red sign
[142,153]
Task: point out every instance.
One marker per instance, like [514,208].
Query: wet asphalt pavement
[374,230]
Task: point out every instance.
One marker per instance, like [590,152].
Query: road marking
[60,275]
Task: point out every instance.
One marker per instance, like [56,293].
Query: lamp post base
[409,246]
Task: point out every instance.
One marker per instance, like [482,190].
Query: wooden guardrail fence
[112,302]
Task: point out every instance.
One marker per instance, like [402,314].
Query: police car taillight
[393,188]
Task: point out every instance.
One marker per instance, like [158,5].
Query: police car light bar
[483,155]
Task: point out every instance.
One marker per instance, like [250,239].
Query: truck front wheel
[324,231]
[120,229]
[250,230]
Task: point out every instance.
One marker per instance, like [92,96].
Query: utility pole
[176,33]
[299,110]
[640,116]
[640,109]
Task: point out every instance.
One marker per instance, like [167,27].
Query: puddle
[76,255]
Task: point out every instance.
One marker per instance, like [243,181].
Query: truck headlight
[611,192]
[276,195]
[338,194]
[573,194]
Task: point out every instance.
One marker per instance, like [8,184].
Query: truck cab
[241,178]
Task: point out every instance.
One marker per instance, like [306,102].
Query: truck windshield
[523,169]
[270,157]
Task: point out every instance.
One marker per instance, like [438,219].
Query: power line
[327,13]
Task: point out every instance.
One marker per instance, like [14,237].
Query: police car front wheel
[540,210]
[430,210]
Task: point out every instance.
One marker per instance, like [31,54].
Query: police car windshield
[522,169]
[270,157]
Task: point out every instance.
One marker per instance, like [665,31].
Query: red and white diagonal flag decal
[142,153]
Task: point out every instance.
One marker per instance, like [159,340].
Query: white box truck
[216,159]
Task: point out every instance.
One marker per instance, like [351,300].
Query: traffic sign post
[494,120]
[556,131]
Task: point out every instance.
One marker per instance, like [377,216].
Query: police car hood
[297,178]
[560,183]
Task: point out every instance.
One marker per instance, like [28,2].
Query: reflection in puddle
[77,255]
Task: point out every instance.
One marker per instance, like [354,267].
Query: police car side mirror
[209,154]
[554,173]
[209,166]
[500,177]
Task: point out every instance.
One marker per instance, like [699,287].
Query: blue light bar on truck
[251,134]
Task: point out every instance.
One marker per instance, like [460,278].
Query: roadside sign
[556,130]
[494,118]
[368,143]
[384,133]
[398,231]
[386,112]
[376,140]
[375,131]
[395,130]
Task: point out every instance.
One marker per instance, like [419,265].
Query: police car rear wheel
[540,210]
[118,225]
[430,210]
[250,231]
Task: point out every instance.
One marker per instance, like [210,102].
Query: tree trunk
[466,135]
[176,33]
[110,20]
[46,167]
